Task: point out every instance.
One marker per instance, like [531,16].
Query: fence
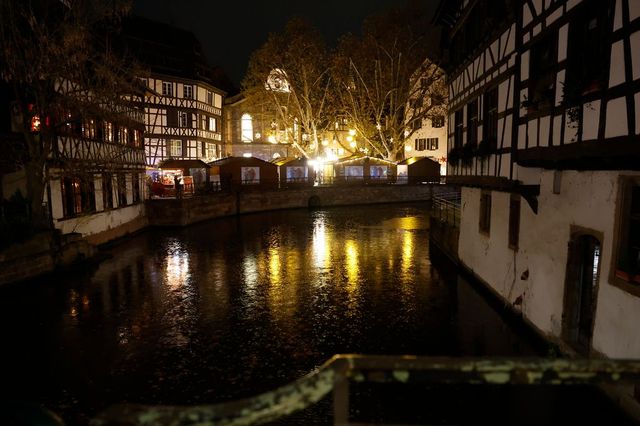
[335,377]
[446,208]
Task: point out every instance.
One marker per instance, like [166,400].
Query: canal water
[238,306]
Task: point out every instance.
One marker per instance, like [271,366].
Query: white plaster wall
[101,221]
[543,252]
[427,131]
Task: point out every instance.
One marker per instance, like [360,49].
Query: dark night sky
[230,30]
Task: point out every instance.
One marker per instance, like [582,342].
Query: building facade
[183,106]
[544,138]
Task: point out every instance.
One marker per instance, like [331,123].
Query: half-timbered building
[183,108]
[544,139]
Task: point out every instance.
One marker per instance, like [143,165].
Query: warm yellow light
[272,139]
[352,132]
[325,142]
[407,148]
[349,138]
[353,144]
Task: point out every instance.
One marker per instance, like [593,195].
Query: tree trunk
[35,193]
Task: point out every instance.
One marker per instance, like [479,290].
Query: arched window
[247,128]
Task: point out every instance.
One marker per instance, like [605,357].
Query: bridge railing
[335,376]
[446,208]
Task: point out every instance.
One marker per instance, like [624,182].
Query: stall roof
[411,160]
[183,164]
[285,160]
[356,157]
[227,160]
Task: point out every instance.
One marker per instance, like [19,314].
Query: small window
[459,127]
[210,98]
[213,124]
[184,119]
[420,144]
[437,122]
[472,123]
[187,91]
[89,129]
[107,129]
[210,150]
[587,50]
[107,191]
[542,72]
[175,148]
[432,144]
[122,190]
[490,119]
[627,260]
[78,195]
[167,89]
[135,180]
[514,222]
[416,124]
[485,212]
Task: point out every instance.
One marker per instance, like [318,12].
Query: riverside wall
[182,212]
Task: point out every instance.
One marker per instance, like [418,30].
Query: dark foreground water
[237,306]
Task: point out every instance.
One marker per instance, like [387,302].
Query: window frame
[631,283]
[173,145]
[437,122]
[167,88]
[515,210]
[187,91]
[432,144]
[484,216]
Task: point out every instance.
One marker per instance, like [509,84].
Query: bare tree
[57,58]
[386,81]
[290,75]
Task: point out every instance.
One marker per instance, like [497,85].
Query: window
[432,144]
[490,122]
[137,138]
[213,124]
[107,129]
[542,76]
[210,98]
[247,128]
[175,148]
[472,123]
[416,124]
[184,119]
[514,222]
[437,121]
[107,191]
[123,135]
[210,150]
[587,50]
[627,259]
[187,91]
[89,129]
[122,190]
[135,180]
[485,212]
[458,129]
[167,89]
[420,144]
[78,195]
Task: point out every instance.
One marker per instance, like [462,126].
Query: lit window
[420,144]
[213,124]
[432,144]
[108,132]
[210,150]
[175,148]
[247,128]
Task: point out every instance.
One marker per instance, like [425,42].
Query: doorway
[580,294]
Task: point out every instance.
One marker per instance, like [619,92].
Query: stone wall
[191,210]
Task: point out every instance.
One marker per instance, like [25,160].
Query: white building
[544,138]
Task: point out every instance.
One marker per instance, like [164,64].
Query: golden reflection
[321,244]
[407,253]
[274,266]
[177,269]
[351,264]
